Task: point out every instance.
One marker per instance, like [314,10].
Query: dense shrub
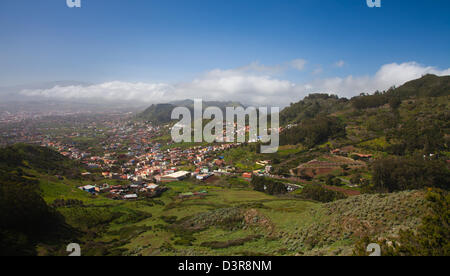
[408,173]
[318,193]
[312,132]
[169,219]
[426,135]
[332,180]
[432,237]
[269,186]
[369,101]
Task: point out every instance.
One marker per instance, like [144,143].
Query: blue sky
[169,41]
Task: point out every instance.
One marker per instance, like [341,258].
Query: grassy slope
[267,224]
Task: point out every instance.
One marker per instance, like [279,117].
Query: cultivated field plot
[327,164]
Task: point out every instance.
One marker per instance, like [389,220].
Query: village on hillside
[132,155]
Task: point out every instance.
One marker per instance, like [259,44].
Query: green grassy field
[230,220]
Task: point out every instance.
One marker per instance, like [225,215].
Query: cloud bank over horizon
[254,84]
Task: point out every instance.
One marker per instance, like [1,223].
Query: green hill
[25,217]
[411,117]
[311,106]
[158,114]
[41,214]
[161,113]
[42,210]
[427,86]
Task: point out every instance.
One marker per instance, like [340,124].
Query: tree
[329,180]
[318,193]
[369,101]
[408,173]
[313,131]
[332,180]
[356,179]
[269,186]
[395,102]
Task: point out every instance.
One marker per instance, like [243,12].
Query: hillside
[161,113]
[310,107]
[232,219]
[346,143]
[336,224]
[41,159]
[158,114]
[429,86]
[25,218]
[392,118]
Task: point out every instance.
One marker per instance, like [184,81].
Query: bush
[169,220]
[333,181]
[269,186]
[369,101]
[318,193]
[312,132]
[409,173]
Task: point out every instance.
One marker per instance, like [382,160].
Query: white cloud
[340,64]
[387,76]
[257,67]
[317,71]
[253,84]
[236,85]
[115,90]
[398,74]
[298,64]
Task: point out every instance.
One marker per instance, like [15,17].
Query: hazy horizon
[253,52]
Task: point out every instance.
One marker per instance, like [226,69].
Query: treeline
[313,131]
[370,101]
[318,193]
[268,186]
[409,173]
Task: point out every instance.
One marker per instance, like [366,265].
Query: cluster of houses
[128,152]
[140,159]
[125,192]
